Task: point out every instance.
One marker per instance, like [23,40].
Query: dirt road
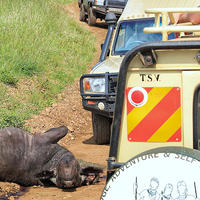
[68,111]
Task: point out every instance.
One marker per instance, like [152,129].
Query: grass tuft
[42,50]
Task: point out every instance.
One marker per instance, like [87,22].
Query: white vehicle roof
[136,8]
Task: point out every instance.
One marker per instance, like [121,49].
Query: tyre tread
[101,129]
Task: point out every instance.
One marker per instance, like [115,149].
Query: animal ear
[53,135]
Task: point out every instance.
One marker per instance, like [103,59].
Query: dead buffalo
[31,159]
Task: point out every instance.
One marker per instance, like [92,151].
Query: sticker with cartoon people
[160,176]
[152,192]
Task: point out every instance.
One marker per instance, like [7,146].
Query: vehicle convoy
[155,142]
[98,89]
[91,10]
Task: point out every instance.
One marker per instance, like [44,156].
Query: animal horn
[53,135]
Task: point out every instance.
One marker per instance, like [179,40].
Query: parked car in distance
[93,9]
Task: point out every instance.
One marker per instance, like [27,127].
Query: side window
[121,38]
[196,119]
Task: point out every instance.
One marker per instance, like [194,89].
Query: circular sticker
[157,176]
[137,96]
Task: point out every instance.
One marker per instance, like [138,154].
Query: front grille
[112,84]
[116,3]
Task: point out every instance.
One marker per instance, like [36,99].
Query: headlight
[95,85]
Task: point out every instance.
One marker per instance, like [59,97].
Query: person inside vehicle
[194,18]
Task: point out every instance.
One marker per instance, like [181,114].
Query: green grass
[41,51]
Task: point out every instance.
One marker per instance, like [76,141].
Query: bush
[11,120]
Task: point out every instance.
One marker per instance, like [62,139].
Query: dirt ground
[68,111]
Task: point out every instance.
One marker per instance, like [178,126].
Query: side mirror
[102,46]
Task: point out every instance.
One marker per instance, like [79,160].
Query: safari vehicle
[98,89]
[99,8]
[158,93]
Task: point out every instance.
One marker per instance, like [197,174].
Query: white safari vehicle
[155,140]
[98,89]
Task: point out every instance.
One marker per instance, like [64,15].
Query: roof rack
[168,22]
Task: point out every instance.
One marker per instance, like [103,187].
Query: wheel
[91,17]
[82,13]
[101,128]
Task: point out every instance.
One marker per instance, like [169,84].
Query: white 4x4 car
[98,89]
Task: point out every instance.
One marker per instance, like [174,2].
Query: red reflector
[137,96]
[91,102]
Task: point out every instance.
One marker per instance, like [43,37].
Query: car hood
[112,64]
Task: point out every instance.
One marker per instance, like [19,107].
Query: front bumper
[103,10]
[101,103]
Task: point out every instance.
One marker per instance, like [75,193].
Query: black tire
[82,17]
[101,128]
[91,17]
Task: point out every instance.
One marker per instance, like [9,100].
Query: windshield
[130,34]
